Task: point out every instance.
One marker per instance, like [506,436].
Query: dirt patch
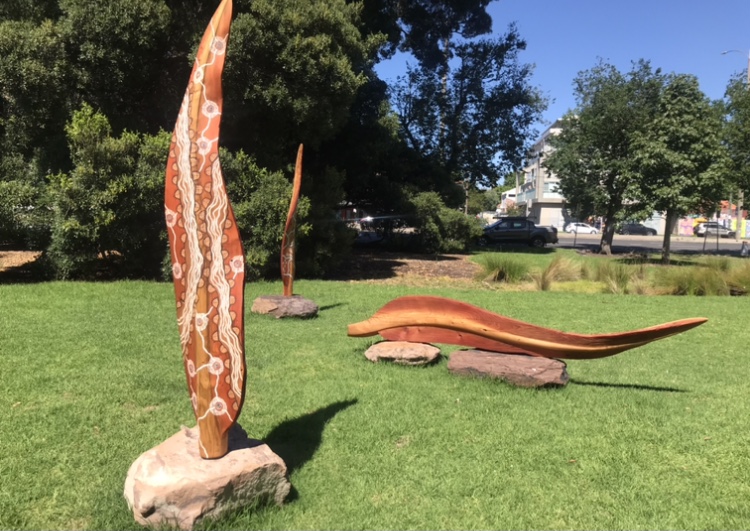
[13,259]
[360,266]
[406,268]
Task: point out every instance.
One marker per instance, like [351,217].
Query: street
[650,244]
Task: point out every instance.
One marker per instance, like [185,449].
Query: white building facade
[538,192]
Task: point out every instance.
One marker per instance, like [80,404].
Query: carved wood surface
[437,319]
[289,240]
[208,266]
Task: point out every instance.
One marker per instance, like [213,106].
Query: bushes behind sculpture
[107,215]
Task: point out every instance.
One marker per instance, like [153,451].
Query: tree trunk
[666,244]
[466,197]
[605,247]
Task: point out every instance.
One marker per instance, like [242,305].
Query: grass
[654,438]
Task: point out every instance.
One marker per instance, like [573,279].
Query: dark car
[518,230]
[636,228]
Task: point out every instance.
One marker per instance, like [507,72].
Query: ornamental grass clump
[496,267]
[717,263]
[560,269]
[691,281]
[738,279]
[614,275]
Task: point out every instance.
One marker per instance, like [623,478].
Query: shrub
[25,215]
[260,200]
[108,211]
[442,229]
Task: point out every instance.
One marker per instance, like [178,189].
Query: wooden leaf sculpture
[208,265]
[288,241]
[440,320]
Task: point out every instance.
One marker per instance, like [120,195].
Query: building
[507,200]
[538,192]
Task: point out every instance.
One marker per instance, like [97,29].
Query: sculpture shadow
[331,306]
[629,386]
[297,440]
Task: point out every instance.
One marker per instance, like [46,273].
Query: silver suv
[712,228]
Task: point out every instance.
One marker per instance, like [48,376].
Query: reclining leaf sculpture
[289,240]
[208,265]
[427,319]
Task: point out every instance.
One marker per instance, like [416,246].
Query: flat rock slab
[403,353]
[520,370]
[280,306]
[171,485]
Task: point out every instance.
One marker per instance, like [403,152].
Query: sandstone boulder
[403,353]
[280,306]
[171,485]
[523,371]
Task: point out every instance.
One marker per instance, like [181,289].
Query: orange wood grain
[208,267]
[289,240]
[432,334]
[419,318]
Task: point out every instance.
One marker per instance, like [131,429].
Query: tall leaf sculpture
[288,241]
[288,304]
[208,264]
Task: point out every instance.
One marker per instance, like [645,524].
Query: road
[650,244]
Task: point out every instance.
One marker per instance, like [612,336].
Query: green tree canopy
[737,132]
[680,157]
[476,119]
[594,152]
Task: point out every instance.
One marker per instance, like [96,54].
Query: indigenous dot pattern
[208,265]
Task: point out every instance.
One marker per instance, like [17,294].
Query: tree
[679,155]
[594,152]
[293,72]
[737,133]
[475,120]
[426,27]
[34,81]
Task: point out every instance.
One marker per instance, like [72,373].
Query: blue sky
[566,36]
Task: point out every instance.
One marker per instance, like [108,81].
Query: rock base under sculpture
[280,306]
[523,371]
[171,485]
[403,353]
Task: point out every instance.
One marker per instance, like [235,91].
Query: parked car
[712,228]
[518,230]
[635,228]
[581,228]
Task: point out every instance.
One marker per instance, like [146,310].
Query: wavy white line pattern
[207,258]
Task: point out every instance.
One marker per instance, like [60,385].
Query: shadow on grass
[28,273]
[297,440]
[629,386]
[330,306]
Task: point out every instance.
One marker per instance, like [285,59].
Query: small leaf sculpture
[288,241]
[208,265]
[427,319]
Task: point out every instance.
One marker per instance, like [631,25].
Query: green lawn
[655,438]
